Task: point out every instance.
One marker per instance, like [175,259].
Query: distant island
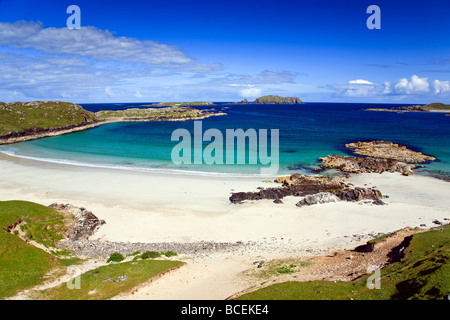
[180,104]
[23,121]
[431,107]
[271,99]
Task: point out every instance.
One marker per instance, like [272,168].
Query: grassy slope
[20,116]
[147,113]
[23,265]
[423,273]
[436,106]
[94,287]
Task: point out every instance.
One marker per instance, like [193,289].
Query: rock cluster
[294,185]
[96,248]
[81,223]
[388,150]
[314,190]
[366,164]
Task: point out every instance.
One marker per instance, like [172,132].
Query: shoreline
[194,212]
[15,137]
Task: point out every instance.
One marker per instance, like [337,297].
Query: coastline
[154,208]
[15,137]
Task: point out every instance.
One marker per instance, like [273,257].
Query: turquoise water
[306,132]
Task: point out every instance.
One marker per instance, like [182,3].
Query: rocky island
[377,156]
[180,104]
[272,99]
[431,107]
[22,121]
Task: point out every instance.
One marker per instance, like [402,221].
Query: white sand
[141,207]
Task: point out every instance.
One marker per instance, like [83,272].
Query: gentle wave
[136,169]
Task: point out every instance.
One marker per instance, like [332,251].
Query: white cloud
[360,81]
[97,44]
[414,86]
[441,86]
[250,92]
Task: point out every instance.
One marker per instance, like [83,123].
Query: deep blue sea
[306,132]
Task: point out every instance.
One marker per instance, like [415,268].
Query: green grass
[20,116]
[99,284]
[192,103]
[423,273]
[116,257]
[436,106]
[23,265]
[176,112]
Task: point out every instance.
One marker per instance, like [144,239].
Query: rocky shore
[388,150]
[431,107]
[366,165]
[40,119]
[378,157]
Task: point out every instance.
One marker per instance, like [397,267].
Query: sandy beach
[144,207]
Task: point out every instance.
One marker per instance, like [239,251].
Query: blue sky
[140,51]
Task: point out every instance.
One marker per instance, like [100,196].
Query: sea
[305,131]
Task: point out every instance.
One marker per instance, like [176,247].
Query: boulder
[321,197]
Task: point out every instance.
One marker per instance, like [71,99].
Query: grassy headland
[422,273]
[181,104]
[22,121]
[417,108]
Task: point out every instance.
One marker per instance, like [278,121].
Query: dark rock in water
[388,150]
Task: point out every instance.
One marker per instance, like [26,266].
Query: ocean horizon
[306,132]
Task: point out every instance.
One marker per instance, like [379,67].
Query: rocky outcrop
[81,223]
[365,165]
[388,150]
[294,185]
[359,194]
[315,190]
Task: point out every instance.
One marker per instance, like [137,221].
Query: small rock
[120,279]
[437,222]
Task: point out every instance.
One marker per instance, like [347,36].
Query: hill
[22,121]
[272,99]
